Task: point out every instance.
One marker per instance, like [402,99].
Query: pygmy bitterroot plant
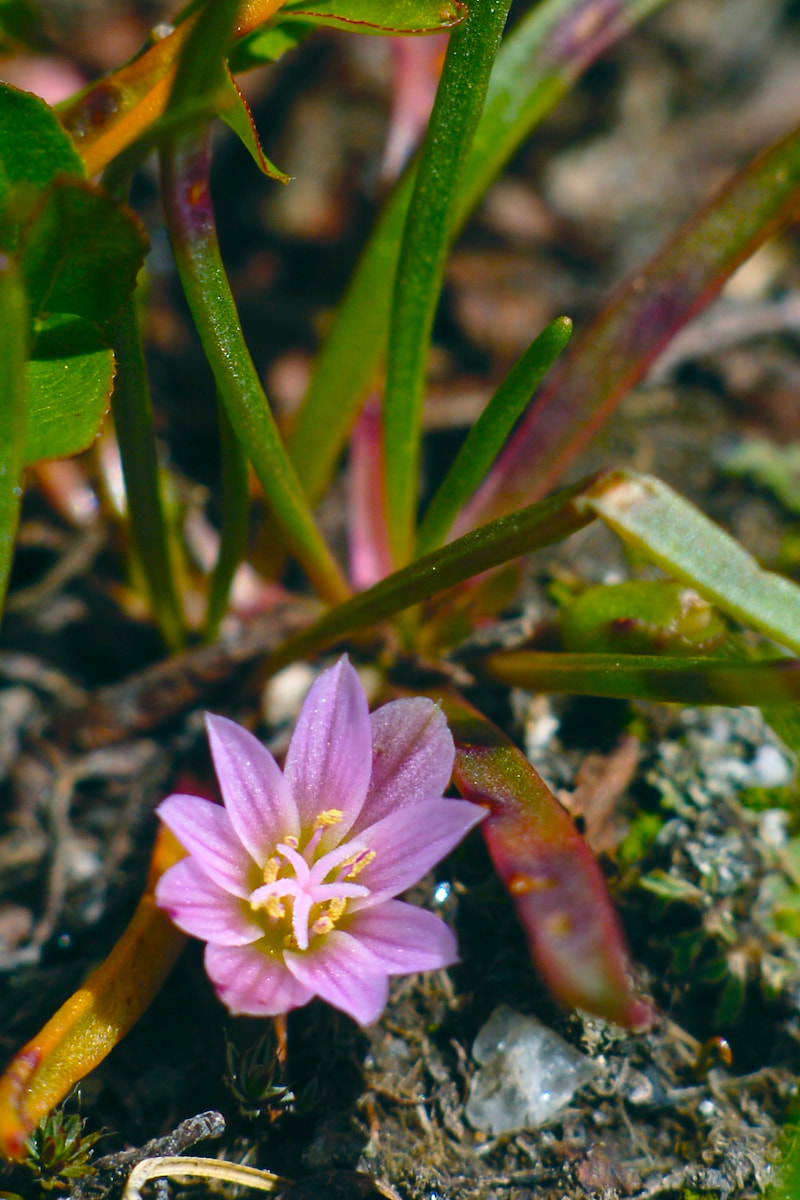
[292,884]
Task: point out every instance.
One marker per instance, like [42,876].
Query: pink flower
[292,883]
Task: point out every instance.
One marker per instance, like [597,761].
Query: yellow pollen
[327,920]
[321,925]
[271,870]
[330,816]
[359,865]
[274,908]
[291,841]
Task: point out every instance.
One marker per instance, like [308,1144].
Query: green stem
[426,239]
[233,523]
[133,419]
[14,336]
[187,202]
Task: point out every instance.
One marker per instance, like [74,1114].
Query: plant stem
[133,418]
[233,523]
[14,336]
[426,240]
[190,219]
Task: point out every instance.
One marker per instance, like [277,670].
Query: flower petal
[329,759]
[343,973]
[408,843]
[257,798]
[201,908]
[412,758]
[205,830]
[249,982]
[405,938]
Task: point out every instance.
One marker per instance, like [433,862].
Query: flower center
[304,897]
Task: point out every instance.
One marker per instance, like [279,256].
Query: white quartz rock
[526,1074]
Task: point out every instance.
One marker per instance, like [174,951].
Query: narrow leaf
[235,507]
[109,116]
[88,1026]
[615,352]
[555,884]
[536,64]
[541,524]
[420,270]
[238,117]
[194,240]
[70,379]
[682,680]
[13,355]
[133,420]
[381,16]
[490,431]
[370,559]
[676,536]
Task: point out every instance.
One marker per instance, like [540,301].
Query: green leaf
[557,887]
[35,149]
[190,218]
[19,26]
[239,118]
[676,536]
[13,353]
[542,56]
[420,269]
[380,16]
[133,420]
[81,253]
[641,616]
[673,887]
[541,524]
[235,509]
[70,379]
[650,677]
[268,44]
[490,432]
[654,303]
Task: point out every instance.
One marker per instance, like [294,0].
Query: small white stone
[527,1073]
[770,768]
[285,692]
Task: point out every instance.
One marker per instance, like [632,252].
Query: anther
[358,863]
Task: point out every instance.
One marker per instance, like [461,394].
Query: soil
[695,832]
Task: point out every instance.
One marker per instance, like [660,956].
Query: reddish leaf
[603,365]
[557,887]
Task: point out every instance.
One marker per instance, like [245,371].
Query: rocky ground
[694,812]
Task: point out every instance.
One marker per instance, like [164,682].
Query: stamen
[323,924]
[329,816]
[273,908]
[291,841]
[359,862]
[271,870]
[326,921]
